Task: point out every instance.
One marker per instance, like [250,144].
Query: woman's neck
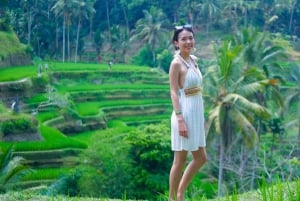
[185,56]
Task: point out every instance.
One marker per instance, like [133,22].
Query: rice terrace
[85,102]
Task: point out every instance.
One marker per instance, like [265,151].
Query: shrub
[18,125]
[151,154]
[165,58]
[144,57]
[39,83]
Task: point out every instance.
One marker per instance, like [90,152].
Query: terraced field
[77,99]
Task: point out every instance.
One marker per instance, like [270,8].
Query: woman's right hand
[182,126]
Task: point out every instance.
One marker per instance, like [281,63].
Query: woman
[187,121]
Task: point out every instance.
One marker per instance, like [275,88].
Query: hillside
[12,52]
[72,99]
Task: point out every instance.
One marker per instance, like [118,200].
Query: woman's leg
[176,173]
[199,158]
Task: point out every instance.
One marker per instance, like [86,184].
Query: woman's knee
[200,156]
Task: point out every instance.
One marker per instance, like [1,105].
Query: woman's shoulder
[194,57]
[176,61]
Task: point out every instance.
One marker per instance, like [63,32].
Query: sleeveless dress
[193,114]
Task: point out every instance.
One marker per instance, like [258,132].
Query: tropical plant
[12,169]
[209,9]
[293,99]
[65,9]
[85,11]
[150,30]
[231,87]
[151,155]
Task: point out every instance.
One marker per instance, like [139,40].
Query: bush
[19,125]
[165,58]
[144,57]
[40,83]
[151,153]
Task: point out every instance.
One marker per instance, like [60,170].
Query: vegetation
[104,132]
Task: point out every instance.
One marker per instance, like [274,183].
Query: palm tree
[239,6]
[150,29]
[231,87]
[293,99]
[85,11]
[260,52]
[209,9]
[12,169]
[64,8]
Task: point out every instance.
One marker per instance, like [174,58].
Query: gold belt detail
[192,91]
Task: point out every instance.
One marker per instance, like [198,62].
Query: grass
[93,87]
[92,108]
[21,72]
[17,73]
[46,173]
[54,139]
[289,191]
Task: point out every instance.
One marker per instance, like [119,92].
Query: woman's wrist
[178,112]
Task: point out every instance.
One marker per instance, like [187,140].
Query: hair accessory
[188,26]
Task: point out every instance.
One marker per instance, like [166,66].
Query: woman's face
[185,42]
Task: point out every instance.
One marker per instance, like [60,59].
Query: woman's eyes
[188,38]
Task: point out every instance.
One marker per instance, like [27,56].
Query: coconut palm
[230,88]
[85,11]
[293,99]
[12,169]
[150,29]
[260,52]
[65,9]
[209,9]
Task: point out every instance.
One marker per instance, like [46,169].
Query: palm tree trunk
[64,42]
[56,40]
[29,27]
[69,54]
[298,130]
[108,21]
[221,159]
[77,39]
[292,16]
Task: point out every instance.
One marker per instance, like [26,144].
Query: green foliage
[18,125]
[164,59]
[17,73]
[109,156]
[12,169]
[66,185]
[144,57]
[10,44]
[39,83]
[152,158]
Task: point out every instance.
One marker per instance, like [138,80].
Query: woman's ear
[176,44]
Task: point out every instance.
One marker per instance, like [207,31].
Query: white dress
[193,114]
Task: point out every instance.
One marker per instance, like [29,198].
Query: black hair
[178,30]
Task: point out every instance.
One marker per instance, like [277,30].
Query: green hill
[12,52]
[71,99]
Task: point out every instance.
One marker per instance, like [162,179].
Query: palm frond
[214,120]
[247,105]
[242,124]
[250,89]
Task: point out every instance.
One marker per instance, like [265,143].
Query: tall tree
[230,88]
[85,11]
[151,29]
[64,8]
[293,99]
[209,9]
